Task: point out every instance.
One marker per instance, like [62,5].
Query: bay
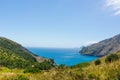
[65,56]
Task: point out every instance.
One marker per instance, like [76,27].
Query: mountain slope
[13,47]
[14,55]
[104,47]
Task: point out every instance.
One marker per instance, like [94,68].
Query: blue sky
[59,23]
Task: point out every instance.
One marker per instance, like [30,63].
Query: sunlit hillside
[106,68]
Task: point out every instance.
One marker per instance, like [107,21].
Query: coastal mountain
[104,47]
[13,55]
[18,63]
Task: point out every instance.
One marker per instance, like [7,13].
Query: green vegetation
[12,47]
[46,65]
[20,77]
[97,62]
[32,70]
[13,55]
[17,63]
[62,66]
[96,70]
[11,60]
[112,57]
[81,65]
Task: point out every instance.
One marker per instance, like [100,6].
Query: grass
[103,71]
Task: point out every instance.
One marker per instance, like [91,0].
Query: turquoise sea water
[63,56]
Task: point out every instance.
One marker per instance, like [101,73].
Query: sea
[67,56]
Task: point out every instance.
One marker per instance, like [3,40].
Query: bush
[32,70]
[81,65]
[97,62]
[112,57]
[20,77]
[46,65]
[62,66]
[93,77]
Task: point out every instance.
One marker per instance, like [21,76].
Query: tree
[111,57]
[97,62]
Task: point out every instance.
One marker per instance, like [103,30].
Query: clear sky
[59,23]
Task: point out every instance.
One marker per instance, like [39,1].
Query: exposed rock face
[104,47]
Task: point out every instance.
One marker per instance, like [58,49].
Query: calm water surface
[63,56]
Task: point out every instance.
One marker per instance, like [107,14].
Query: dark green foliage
[46,65]
[13,55]
[111,57]
[78,77]
[51,61]
[12,60]
[97,62]
[93,77]
[13,47]
[32,70]
[62,66]
[82,65]
[37,67]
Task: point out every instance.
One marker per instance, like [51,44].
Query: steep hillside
[13,55]
[104,47]
[12,47]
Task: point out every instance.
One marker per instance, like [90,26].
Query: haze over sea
[65,56]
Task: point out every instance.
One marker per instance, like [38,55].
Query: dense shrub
[97,62]
[46,65]
[32,70]
[92,77]
[111,57]
[62,66]
[78,77]
[81,65]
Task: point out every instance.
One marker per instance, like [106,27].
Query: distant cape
[103,48]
